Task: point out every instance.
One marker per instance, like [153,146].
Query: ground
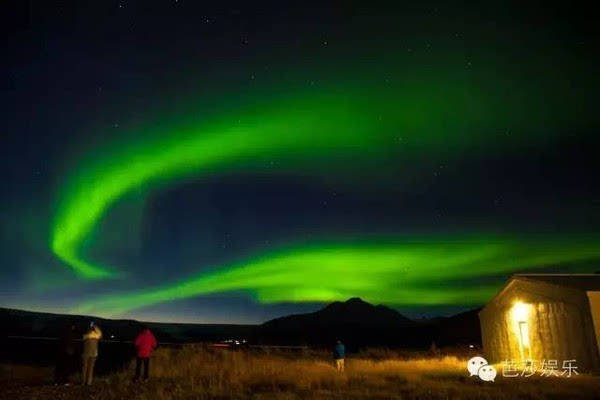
[202,373]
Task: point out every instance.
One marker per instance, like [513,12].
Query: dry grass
[200,373]
[16,374]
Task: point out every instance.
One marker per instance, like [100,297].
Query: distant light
[471,346]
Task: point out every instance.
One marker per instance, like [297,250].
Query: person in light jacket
[90,352]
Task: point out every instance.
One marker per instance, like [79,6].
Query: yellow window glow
[524,334]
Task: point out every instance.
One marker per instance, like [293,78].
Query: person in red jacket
[144,343]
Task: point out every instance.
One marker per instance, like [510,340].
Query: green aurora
[330,131]
[431,271]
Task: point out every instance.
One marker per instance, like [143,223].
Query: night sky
[183,161]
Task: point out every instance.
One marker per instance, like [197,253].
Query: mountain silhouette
[355,310]
[354,321]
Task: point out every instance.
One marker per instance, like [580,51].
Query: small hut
[537,317]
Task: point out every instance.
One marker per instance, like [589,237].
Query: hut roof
[575,281]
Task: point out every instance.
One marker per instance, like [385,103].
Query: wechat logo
[480,367]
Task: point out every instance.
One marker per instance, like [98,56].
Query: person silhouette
[90,352]
[145,343]
[339,353]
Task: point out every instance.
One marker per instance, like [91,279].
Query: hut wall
[560,326]
[594,299]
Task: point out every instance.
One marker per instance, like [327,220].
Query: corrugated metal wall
[560,326]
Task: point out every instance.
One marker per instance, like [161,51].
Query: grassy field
[201,373]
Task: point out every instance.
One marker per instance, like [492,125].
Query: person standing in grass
[65,356]
[90,352]
[145,343]
[339,353]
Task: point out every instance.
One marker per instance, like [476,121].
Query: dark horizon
[415,316]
